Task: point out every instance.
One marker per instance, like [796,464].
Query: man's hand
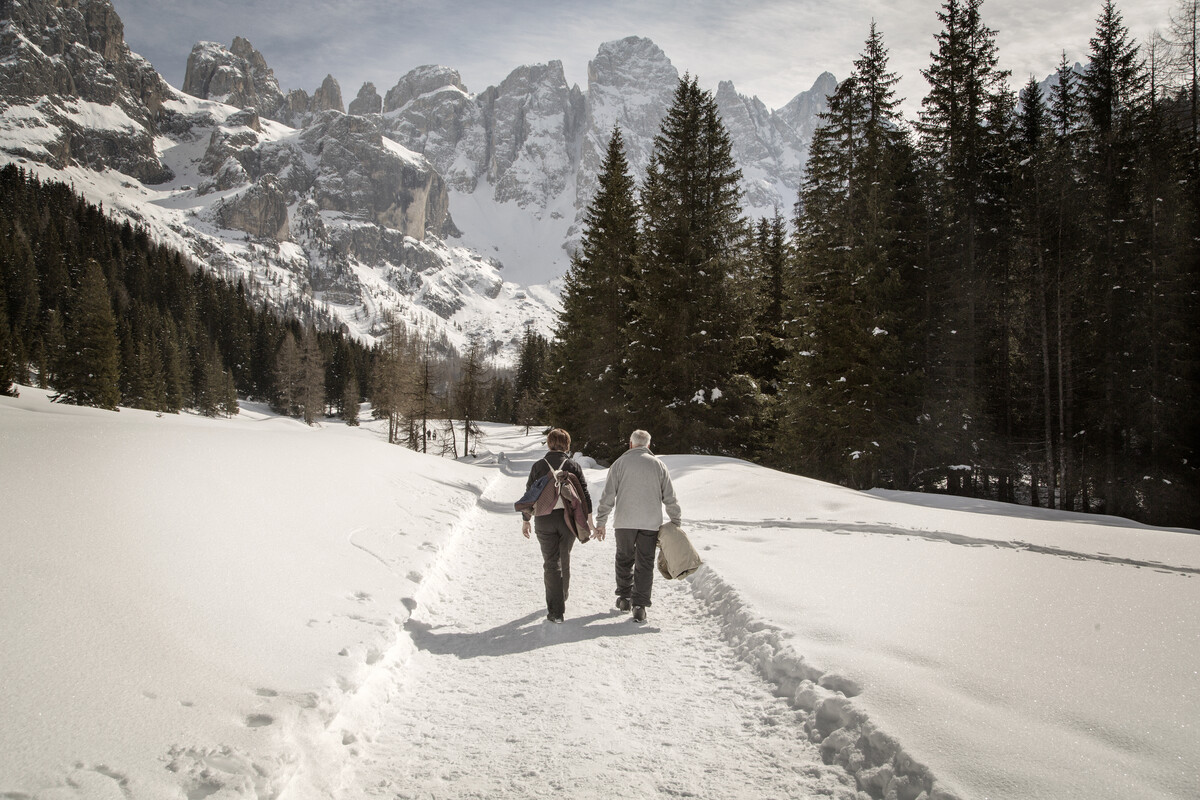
[525,529]
[600,534]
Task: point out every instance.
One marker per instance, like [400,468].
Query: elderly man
[638,485]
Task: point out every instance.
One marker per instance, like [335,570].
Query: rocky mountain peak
[802,111]
[368,101]
[421,81]
[238,76]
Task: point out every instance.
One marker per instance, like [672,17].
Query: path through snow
[493,701]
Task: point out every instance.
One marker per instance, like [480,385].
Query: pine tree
[685,335]
[853,377]
[772,257]
[289,373]
[350,401]
[212,389]
[7,362]
[587,366]
[1112,89]
[92,363]
[312,378]
[965,89]
[470,391]
[1066,255]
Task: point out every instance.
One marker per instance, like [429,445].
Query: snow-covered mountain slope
[250,607]
[455,212]
[333,222]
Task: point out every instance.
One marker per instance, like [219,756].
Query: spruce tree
[350,401]
[587,367]
[685,346]
[853,376]
[7,362]
[312,378]
[956,140]
[288,377]
[1112,90]
[92,363]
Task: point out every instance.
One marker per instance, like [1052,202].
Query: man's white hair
[639,438]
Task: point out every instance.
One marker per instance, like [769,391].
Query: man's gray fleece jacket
[639,485]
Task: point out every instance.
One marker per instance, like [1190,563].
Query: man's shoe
[639,613]
[554,618]
[623,604]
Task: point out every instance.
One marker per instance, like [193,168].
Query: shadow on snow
[530,632]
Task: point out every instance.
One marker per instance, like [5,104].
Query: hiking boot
[639,613]
[623,604]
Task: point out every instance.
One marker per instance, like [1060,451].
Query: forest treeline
[998,299]
[100,313]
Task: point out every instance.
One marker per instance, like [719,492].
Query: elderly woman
[554,535]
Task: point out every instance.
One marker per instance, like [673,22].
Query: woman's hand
[525,526]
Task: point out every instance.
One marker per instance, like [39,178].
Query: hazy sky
[770,48]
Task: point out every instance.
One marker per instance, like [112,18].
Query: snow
[248,607]
[527,242]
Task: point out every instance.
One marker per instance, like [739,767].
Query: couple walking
[638,487]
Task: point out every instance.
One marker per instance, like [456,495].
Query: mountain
[451,211]
[535,143]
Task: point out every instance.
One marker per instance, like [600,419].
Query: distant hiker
[639,485]
[555,534]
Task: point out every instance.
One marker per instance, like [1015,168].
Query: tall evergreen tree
[1112,89]
[685,349]
[587,368]
[91,371]
[350,402]
[312,378]
[771,277]
[288,373]
[7,361]
[853,377]
[965,88]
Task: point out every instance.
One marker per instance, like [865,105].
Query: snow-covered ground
[251,608]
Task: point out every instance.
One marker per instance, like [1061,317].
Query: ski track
[496,702]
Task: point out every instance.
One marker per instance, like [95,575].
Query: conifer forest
[997,299]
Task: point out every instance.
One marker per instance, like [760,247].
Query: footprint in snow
[259,720]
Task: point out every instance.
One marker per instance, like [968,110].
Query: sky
[772,49]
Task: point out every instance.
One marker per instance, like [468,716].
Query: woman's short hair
[558,439]
[639,438]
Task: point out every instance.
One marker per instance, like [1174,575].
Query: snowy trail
[496,702]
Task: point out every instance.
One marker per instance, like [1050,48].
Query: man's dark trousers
[556,541]
[635,564]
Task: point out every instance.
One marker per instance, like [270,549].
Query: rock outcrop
[238,76]
[66,71]
[361,174]
[367,102]
[261,211]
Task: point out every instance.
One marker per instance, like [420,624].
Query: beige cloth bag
[676,556]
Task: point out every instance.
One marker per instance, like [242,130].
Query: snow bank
[1020,655]
[205,594]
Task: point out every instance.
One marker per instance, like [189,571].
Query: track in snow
[497,702]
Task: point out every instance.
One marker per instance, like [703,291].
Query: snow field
[197,594]
[251,608]
[494,701]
